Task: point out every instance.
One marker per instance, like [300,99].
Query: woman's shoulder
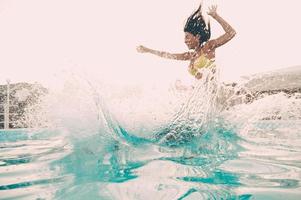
[210,45]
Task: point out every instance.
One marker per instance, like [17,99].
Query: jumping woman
[197,39]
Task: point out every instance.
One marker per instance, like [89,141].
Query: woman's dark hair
[196,25]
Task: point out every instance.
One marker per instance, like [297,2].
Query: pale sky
[41,38]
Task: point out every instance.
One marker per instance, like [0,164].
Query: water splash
[174,143]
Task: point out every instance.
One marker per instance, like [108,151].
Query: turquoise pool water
[221,164]
[133,145]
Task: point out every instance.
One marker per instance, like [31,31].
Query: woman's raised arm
[230,32]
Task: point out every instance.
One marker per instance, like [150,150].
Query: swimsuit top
[200,62]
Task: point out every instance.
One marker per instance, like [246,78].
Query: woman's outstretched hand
[142,49]
[212,11]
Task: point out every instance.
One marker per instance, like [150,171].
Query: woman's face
[192,41]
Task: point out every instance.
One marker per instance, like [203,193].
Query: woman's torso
[202,58]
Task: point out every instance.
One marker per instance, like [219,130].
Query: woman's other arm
[163,54]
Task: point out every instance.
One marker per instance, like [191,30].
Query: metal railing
[6,105]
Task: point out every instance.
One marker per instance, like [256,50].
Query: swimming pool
[245,153]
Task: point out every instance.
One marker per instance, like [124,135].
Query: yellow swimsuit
[200,62]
